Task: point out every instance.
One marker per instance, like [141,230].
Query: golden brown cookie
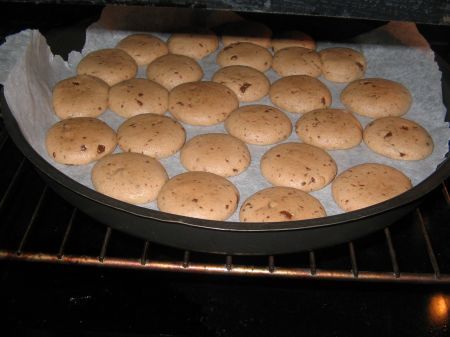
[247,83]
[197,43]
[368,184]
[398,138]
[80,96]
[376,97]
[199,195]
[138,96]
[130,177]
[245,54]
[202,103]
[297,61]
[80,140]
[292,38]
[342,64]
[153,135]
[143,48]
[172,70]
[276,204]
[300,94]
[329,129]
[110,65]
[259,124]
[217,153]
[298,165]
[246,31]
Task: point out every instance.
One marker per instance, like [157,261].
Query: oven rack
[36,225]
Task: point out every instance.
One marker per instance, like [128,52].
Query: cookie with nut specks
[368,184]
[398,138]
[292,38]
[245,54]
[342,65]
[298,165]
[80,140]
[130,177]
[143,48]
[199,195]
[217,153]
[247,83]
[196,43]
[276,204]
[330,129]
[376,98]
[297,61]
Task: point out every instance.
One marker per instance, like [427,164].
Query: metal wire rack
[38,226]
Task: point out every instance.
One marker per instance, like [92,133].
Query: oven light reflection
[438,309]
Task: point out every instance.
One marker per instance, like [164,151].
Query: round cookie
[138,96]
[342,65]
[246,31]
[245,54]
[143,48]
[398,138]
[276,204]
[153,135]
[172,70]
[298,165]
[329,129]
[300,94]
[199,195]
[259,124]
[297,61]
[216,153]
[196,44]
[292,38]
[130,177]
[110,65]
[247,83]
[80,140]
[80,96]
[202,103]
[368,184]
[376,97]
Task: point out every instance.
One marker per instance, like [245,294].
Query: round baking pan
[224,237]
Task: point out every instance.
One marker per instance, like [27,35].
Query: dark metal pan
[227,237]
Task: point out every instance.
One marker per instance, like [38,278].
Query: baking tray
[229,237]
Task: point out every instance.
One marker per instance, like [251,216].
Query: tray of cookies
[231,140]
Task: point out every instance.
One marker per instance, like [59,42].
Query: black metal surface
[433,11]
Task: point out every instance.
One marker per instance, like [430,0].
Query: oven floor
[48,300]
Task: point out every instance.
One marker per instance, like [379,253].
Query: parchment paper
[396,51]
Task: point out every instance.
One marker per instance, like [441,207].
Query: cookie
[110,65]
[199,195]
[259,124]
[300,94]
[376,98]
[368,184]
[298,165]
[245,54]
[80,140]
[292,38]
[197,43]
[329,129]
[216,153]
[297,61]
[398,138]
[202,103]
[172,70]
[277,204]
[138,96]
[247,83]
[246,31]
[130,177]
[153,135]
[342,65]
[143,48]
[80,96]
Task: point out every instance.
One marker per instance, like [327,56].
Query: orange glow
[438,309]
